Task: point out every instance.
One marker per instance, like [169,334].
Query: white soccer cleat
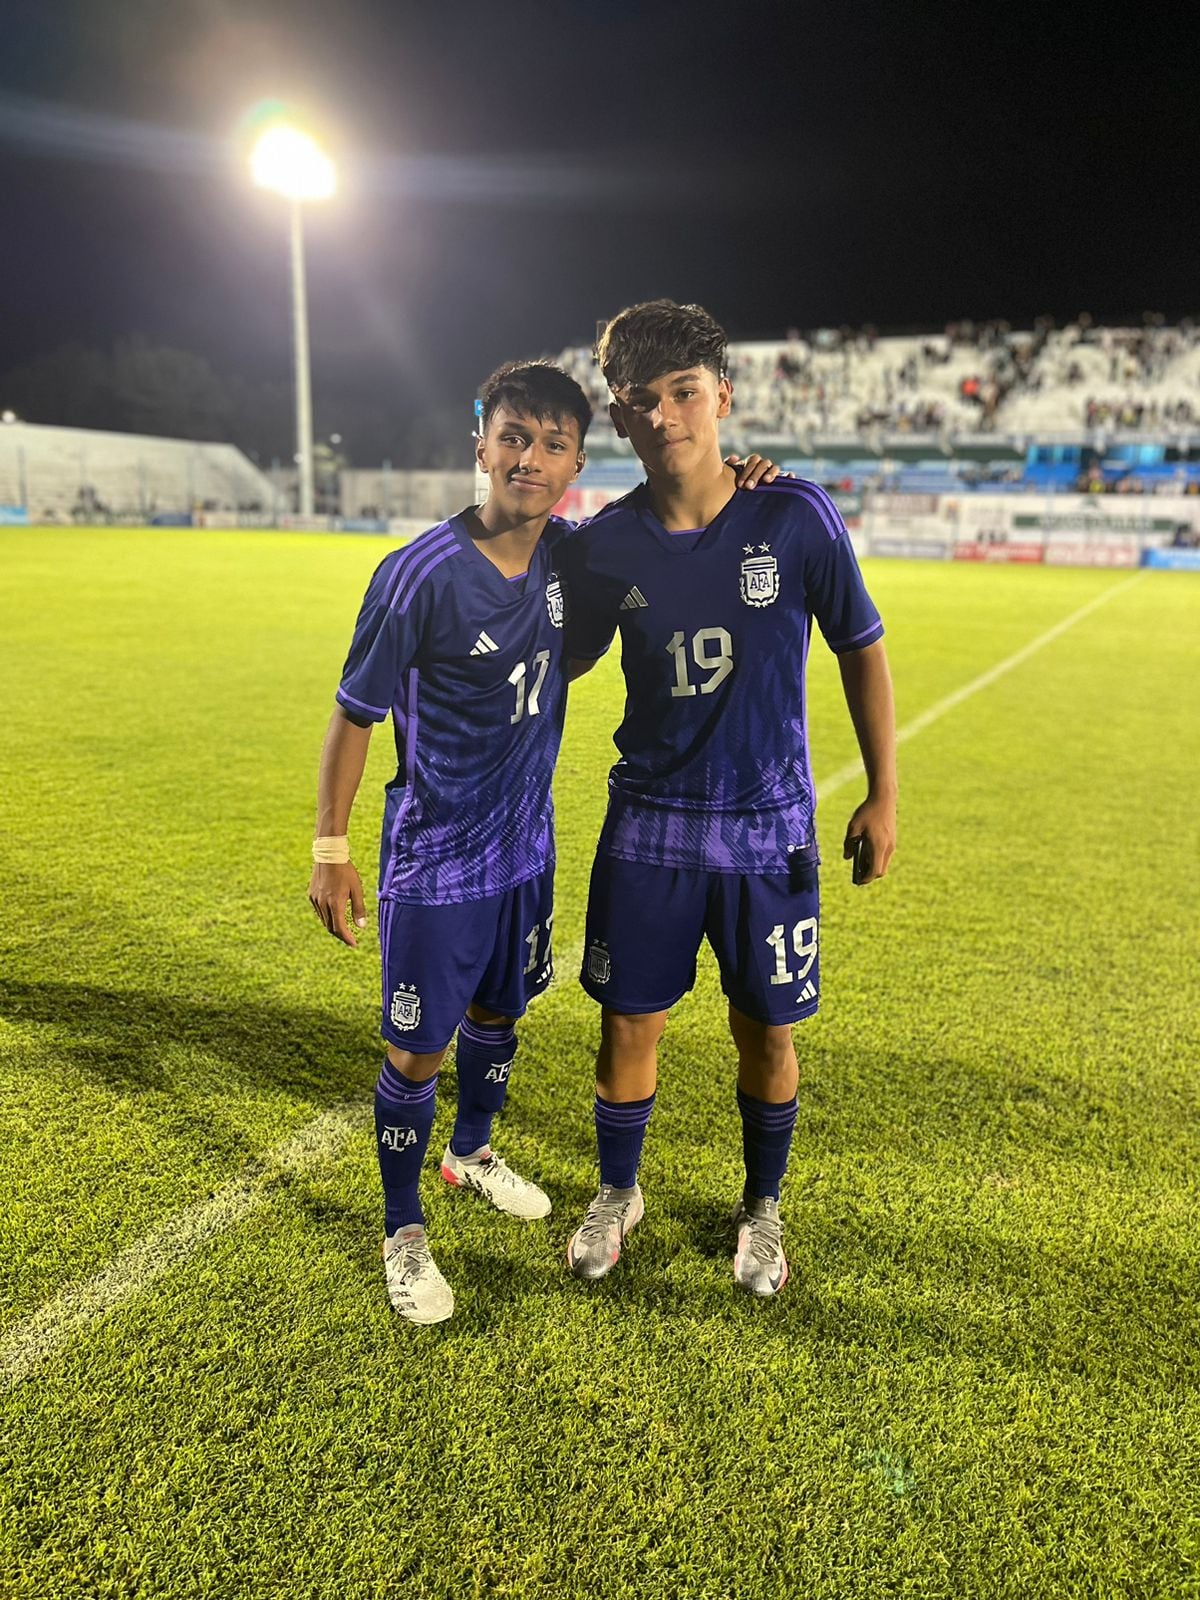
[595,1247]
[759,1263]
[496,1181]
[416,1288]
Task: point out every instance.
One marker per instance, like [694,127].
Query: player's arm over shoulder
[591,621]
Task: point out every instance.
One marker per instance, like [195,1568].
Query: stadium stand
[1079,384]
[978,409]
[61,474]
[1077,446]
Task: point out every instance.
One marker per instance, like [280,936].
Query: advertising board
[1025,552]
[578,502]
[887,545]
[1090,552]
[1172,560]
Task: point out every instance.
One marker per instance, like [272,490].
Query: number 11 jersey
[469,665]
[715,626]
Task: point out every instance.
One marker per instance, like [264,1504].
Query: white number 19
[719,664]
[804,943]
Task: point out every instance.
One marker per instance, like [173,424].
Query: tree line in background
[142,387]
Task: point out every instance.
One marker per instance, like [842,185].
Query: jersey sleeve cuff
[358,709]
[858,641]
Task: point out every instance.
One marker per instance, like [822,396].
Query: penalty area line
[39,1338]
[854,769]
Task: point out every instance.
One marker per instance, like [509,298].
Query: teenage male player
[709,830]
[460,639]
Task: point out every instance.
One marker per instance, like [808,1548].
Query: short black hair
[535,389]
[644,341]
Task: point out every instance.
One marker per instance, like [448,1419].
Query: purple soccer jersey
[715,625]
[469,665]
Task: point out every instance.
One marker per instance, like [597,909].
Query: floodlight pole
[304,438]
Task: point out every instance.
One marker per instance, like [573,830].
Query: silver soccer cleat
[759,1264]
[595,1247]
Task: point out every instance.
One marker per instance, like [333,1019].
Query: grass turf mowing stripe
[40,1337]
[948,702]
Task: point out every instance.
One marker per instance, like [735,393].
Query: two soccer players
[710,826]
[459,639]
[710,829]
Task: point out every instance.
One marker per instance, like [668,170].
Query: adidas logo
[484,645]
[807,993]
[634,600]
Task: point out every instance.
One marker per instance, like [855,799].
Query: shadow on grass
[499,1267]
[1106,1301]
[126,1037]
[708,1225]
[945,1290]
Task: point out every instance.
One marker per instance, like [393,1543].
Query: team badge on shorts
[760,577]
[406,1008]
[554,600]
[599,966]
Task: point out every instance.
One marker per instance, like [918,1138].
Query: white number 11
[517,678]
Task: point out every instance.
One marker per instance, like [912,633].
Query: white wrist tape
[332,848]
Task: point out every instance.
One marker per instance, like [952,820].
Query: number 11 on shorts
[803,944]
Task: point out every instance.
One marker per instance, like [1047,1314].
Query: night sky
[513,171]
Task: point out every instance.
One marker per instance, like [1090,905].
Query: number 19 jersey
[715,626]
[469,665]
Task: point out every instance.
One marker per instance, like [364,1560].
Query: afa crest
[554,600]
[760,578]
[405,1009]
[599,964]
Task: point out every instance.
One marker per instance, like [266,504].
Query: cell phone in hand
[861,859]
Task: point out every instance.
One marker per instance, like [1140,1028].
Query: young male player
[460,639]
[709,830]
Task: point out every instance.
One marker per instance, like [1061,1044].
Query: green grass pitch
[982,1380]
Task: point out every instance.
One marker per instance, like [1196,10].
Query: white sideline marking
[844,775]
[33,1342]
[43,1335]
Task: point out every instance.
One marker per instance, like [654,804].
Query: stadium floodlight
[290,163]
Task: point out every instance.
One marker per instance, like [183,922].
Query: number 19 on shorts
[802,944]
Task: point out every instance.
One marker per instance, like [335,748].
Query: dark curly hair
[644,341]
[536,389]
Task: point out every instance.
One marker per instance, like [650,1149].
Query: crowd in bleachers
[1140,416]
[973,378]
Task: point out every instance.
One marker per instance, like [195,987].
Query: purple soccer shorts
[438,959]
[645,924]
